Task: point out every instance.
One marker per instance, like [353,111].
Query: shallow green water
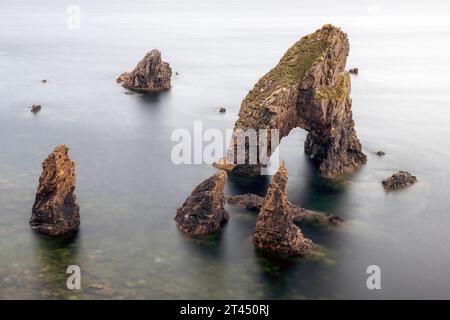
[128,188]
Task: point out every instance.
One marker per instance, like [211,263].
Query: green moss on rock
[337,92]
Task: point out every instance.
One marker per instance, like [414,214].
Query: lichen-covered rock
[309,88]
[55,210]
[399,180]
[150,75]
[275,230]
[203,211]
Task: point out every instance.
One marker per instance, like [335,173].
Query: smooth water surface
[129,189]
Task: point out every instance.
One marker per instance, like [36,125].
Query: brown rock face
[275,230]
[399,180]
[55,209]
[203,211]
[310,89]
[150,75]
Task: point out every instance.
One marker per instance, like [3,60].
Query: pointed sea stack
[275,230]
[309,88]
[55,210]
[203,211]
[150,75]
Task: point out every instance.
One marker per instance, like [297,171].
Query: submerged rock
[253,202]
[335,220]
[44,81]
[55,209]
[247,201]
[309,88]
[354,71]
[222,110]
[275,230]
[399,180]
[380,153]
[203,211]
[150,75]
[35,108]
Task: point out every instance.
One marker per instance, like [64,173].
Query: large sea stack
[309,88]
[203,211]
[275,230]
[55,209]
[150,75]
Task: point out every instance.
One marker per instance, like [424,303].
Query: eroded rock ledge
[203,211]
[253,202]
[150,75]
[399,180]
[309,88]
[275,230]
[55,210]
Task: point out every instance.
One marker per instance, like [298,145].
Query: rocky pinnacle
[275,229]
[55,210]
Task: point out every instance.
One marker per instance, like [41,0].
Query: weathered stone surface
[253,202]
[309,88]
[203,211]
[150,75]
[399,180]
[275,230]
[55,210]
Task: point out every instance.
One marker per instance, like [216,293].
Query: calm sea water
[128,189]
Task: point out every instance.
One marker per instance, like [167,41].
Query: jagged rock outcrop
[275,230]
[203,211]
[55,210]
[399,180]
[150,75]
[253,202]
[309,88]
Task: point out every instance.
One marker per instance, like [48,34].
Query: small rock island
[203,211]
[150,75]
[55,210]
